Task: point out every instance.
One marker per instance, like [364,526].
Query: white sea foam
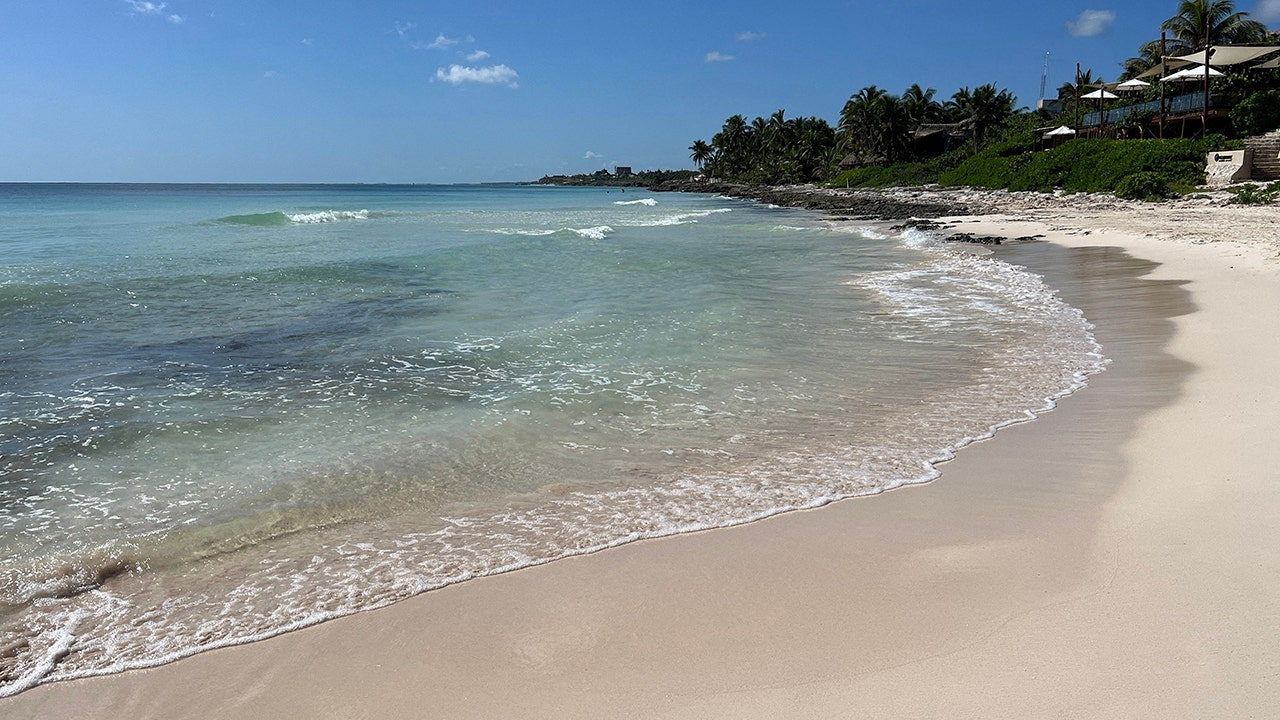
[592,233]
[642,201]
[527,233]
[328,216]
[688,218]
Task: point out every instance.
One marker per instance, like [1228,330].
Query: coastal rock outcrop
[853,204]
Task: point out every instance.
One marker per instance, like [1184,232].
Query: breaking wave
[281,219]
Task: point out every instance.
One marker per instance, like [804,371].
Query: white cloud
[403,29]
[146,8]
[308,42]
[440,43]
[477,55]
[269,74]
[1267,11]
[495,75]
[749,35]
[592,156]
[1091,23]
[717,56]
[142,7]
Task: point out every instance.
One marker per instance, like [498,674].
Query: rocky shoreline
[1204,217]
[854,204]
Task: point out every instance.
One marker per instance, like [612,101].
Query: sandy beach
[1117,558]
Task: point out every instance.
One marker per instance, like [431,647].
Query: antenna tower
[1044,76]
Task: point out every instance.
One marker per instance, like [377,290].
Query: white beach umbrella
[1064,130]
[1192,73]
[1134,85]
[1100,94]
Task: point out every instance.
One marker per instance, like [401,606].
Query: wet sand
[1117,557]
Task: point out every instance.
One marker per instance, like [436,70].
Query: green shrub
[1255,194]
[900,174]
[1088,165]
[1258,113]
[1143,186]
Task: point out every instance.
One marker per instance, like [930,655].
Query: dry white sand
[1119,557]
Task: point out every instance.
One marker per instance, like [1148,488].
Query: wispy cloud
[142,7]
[748,36]
[441,43]
[477,55]
[308,42]
[1091,23]
[717,56]
[592,156]
[402,29]
[270,74]
[494,75]
[1267,11]
[146,8]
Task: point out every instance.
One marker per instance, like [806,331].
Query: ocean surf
[227,412]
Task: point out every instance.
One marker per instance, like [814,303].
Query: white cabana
[1225,55]
[1134,85]
[1060,132]
[1220,56]
[1192,73]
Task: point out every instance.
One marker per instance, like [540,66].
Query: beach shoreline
[1114,587]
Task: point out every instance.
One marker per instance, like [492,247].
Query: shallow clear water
[229,411]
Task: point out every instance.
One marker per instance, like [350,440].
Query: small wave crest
[328,216]
[649,202]
[280,219]
[598,232]
[592,233]
[684,218]
[62,577]
[271,219]
[527,233]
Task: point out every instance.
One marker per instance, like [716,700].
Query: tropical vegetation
[1255,194]
[877,140]
[1198,23]
[875,127]
[604,178]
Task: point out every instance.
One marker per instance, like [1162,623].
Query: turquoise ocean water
[231,411]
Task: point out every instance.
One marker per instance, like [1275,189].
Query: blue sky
[399,91]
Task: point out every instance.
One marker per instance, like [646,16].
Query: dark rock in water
[988,239]
[974,239]
[919,225]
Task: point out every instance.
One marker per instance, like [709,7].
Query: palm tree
[812,141]
[700,152]
[983,110]
[732,144]
[1148,56]
[895,127]
[776,131]
[858,122]
[921,106]
[1067,93]
[1200,23]
[875,124]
